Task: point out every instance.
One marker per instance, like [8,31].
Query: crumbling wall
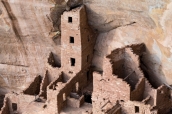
[34,87]
[163,99]
[22,101]
[57,98]
[149,92]
[117,58]
[115,110]
[52,100]
[134,107]
[107,68]
[137,93]
[5,109]
[54,83]
[130,78]
[138,49]
[53,72]
[43,88]
[75,84]
[125,65]
[52,91]
[131,67]
[75,102]
[106,89]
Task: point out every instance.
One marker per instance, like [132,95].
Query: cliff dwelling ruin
[80,68]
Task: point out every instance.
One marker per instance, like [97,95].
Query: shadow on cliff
[151,66]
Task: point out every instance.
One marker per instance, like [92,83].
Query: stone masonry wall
[108,89]
[133,107]
[71,49]
[105,84]
[87,56]
[5,109]
[22,102]
[57,98]
[125,65]
[163,100]
[43,88]
[149,91]
[137,93]
[81,46]
[80,79]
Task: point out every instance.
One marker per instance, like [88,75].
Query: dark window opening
[87,58]
[14,106]
[88,38]
[87,75]
[70,72]
[87,98]
[53,60]
[69,19]
[136,109]
[71,39]
[72,60]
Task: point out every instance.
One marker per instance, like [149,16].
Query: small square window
[72,60]
[87,58]
[14,106]
[69,19]
[88,38]
[71,39]
[88,73]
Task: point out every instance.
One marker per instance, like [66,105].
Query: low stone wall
[22,102]
[76,103]
[59,95]
[137,93]
[43,88]
[75,84]
[109,89]
[133,107]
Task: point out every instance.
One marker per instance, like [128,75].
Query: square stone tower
[77,41]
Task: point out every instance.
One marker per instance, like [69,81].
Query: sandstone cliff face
[29,31]
[25,42]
